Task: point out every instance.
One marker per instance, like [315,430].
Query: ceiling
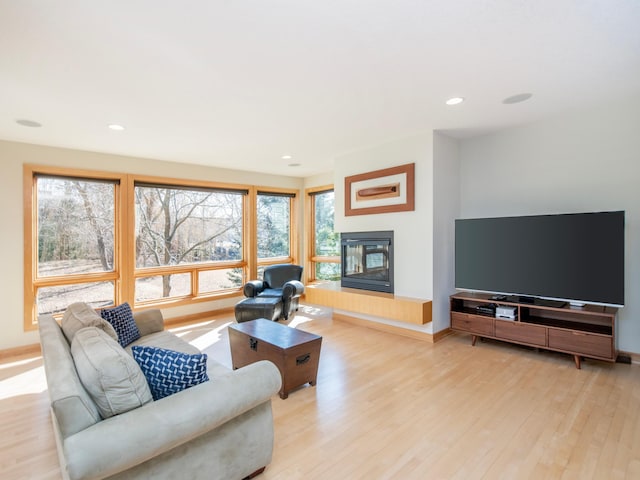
[241,83]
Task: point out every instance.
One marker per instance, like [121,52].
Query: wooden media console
[587,331]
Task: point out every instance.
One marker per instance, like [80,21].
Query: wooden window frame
[32,282]
[125,273]
[310,233]
[192,269]
[293,228]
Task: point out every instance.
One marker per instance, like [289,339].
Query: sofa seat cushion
[121,318]
[170,341]
[271,293]
[110,375]
[168,371]
[79,315]
[163,339]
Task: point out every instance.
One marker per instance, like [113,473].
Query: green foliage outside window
[274,212]
[327,241]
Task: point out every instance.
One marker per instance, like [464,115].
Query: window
[324,243]
[186,226]
[274,222]
[72,223]
[274,241]
[106,238]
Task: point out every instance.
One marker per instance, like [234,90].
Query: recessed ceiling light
[521,97]
[294,165]
[116,127]
[286,157]
[455,101]
[28,123]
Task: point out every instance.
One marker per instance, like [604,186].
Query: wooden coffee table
[294,352]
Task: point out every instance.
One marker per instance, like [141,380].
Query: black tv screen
[576,257]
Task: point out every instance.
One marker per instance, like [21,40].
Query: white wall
[579,162]
[12,158]
[319,180]
[446,208]
[413,231]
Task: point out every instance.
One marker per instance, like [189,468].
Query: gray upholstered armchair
[279,281]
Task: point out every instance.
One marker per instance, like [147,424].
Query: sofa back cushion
[72,407]
[80,315]
[168,371]
[112,377]
[277,275]
[121,319]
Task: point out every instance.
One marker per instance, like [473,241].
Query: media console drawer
[581,342]
[472,323]
[521,332]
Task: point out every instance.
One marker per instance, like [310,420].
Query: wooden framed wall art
[381,191]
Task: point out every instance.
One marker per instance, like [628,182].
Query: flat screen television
[576,257]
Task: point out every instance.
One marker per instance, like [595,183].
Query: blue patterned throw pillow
[121,319]
[168,371]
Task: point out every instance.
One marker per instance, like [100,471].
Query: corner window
[324,242]
[106,238]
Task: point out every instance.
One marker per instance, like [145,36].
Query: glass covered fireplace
[367,260]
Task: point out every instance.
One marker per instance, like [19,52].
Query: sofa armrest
[292,289]
[253,288]
[149,321]
[126,440]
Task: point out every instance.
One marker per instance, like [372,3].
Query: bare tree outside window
[75,225]
[181,226]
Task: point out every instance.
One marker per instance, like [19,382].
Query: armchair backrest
[277,275]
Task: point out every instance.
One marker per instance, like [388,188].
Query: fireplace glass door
[367,263]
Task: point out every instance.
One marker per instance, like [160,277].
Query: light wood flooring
[390,407]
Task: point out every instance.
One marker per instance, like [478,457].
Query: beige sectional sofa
[219,429]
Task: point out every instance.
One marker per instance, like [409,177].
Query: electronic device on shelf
[506,312]
[486,309]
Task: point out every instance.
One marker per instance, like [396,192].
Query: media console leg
[576,358]
[473,340]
